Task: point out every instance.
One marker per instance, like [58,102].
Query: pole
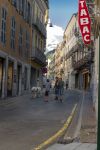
[98,136]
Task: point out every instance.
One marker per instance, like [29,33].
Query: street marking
[59,133]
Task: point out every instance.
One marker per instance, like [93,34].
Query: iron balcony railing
[41,27]
[38,56]
[87,59]
[73,50]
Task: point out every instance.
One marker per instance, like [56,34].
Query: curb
[52,139]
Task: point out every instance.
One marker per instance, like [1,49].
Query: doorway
[25,79]
[86,81]
[19,68]
[1,75]
[10,79]
[77,80]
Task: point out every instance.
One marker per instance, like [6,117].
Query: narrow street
[49,75]
[27,122]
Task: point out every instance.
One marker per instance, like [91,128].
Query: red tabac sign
[84,21]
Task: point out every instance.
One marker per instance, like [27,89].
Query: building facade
[97,51]
[39,23]
[15,47]
[59,61]
[79,62]
[51,64]
[16,43]
[70,41]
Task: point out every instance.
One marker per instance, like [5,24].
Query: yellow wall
[12,12]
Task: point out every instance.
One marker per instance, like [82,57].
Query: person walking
[47,89]
[61,89]
[56,87]
[66,84]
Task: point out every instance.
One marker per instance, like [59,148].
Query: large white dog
[36,92]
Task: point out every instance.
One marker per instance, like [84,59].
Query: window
[20,41]
[3,27]
[27,44]
[36,41]
[28,12]
[14,2]
[13,25]
[23,5]
[39,43]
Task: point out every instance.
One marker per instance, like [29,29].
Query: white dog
[36,92]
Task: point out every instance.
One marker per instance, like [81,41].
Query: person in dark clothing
[47,90]
[66,84]
[61,89]
[56,86]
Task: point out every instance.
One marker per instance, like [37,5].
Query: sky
[60,12]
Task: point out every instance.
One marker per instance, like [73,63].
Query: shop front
[1,75]
[10,78]
[86,79]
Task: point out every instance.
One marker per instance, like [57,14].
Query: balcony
[38,56]
[86,60]
[38,24]
[74,49]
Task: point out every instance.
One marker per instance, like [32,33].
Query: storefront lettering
[84,22]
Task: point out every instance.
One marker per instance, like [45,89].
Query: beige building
[78,57]
[17,42]
[59,61]
[51,64]
[39,23]
[70,41]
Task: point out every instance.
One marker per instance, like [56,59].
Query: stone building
[16,45]
[39,34]
[59,61]
[51,64]
[78,57]
[70,41]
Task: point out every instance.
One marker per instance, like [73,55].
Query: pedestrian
[61,89]
[47,89]
[66,84]
[56,87]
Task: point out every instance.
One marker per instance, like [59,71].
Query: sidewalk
[88,125]
[86,136]
[73,146]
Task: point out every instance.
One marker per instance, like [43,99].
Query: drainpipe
[98,136]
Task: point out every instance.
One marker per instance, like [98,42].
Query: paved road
[25,123]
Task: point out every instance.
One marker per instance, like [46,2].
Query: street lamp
[50,23]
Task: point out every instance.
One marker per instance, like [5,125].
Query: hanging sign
[84,21]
